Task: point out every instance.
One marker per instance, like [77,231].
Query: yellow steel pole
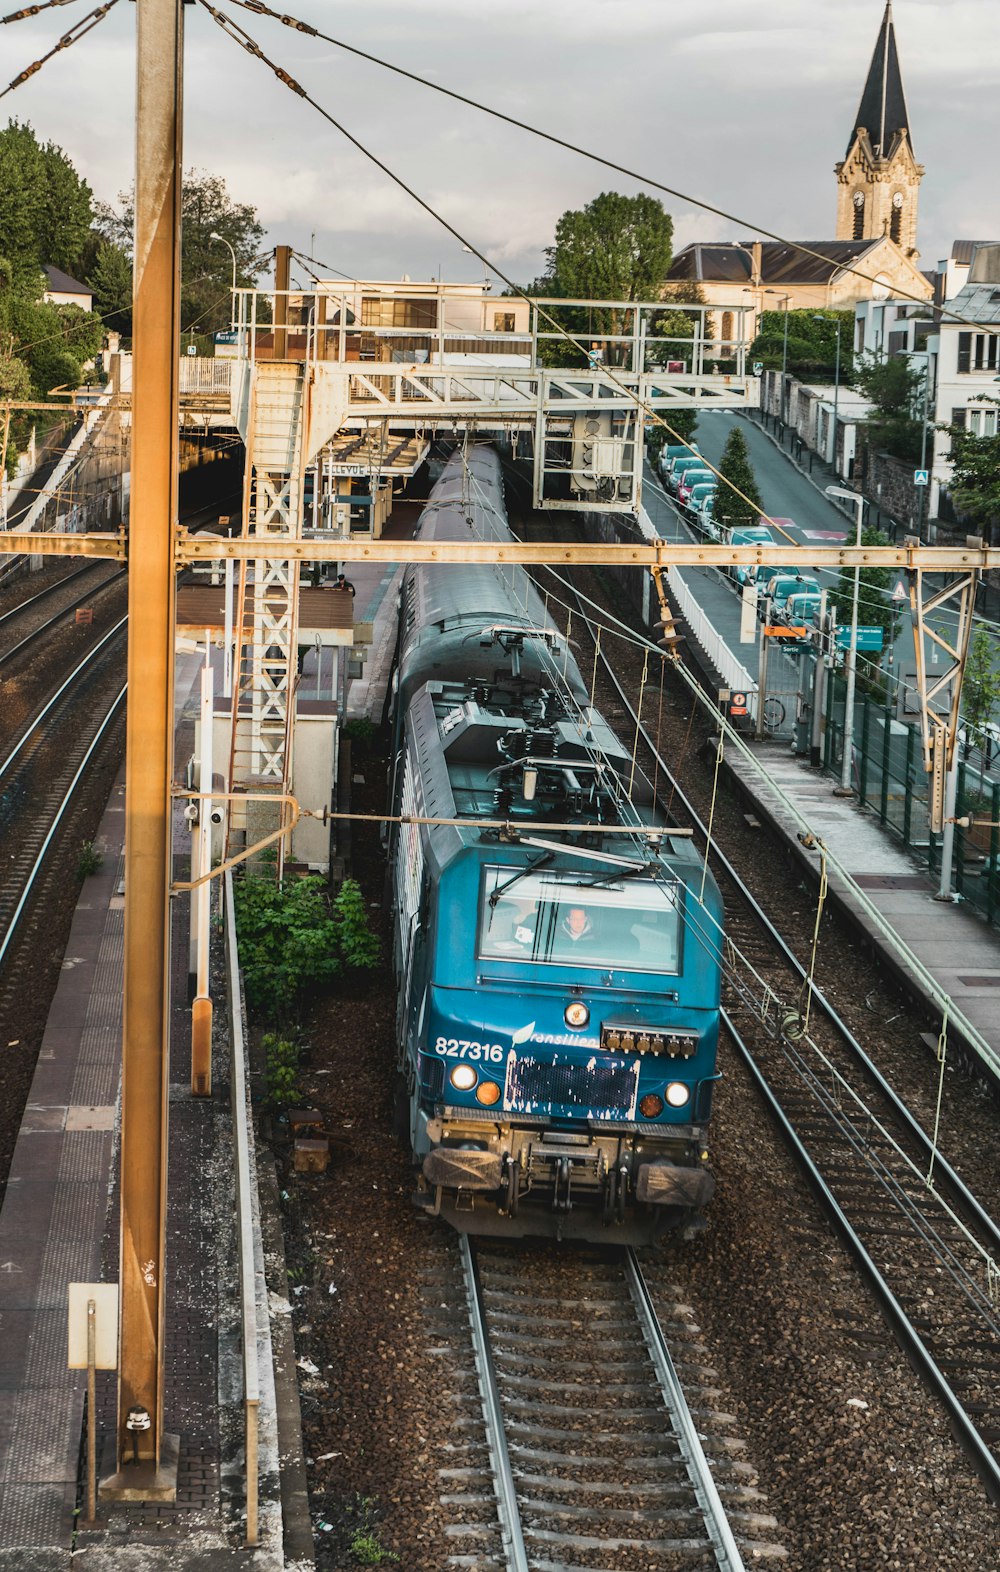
[149,749]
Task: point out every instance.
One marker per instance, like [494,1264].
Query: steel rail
[954,1184]
[984,1462]
[53,621]
[969,1439]
[36,869]
[52,589]
[727,1552]
[47,709]
[496,1436]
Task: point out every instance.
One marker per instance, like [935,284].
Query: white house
[62,290]
[968,364]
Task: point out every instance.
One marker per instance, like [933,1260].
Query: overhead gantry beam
[653,554]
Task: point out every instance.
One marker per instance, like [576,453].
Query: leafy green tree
[875,606]
[980,690]
[975,484]
[206,265]
[293,939]
[45,207]
[615,248]
[812,344]
[735,467]
[110,277]
[895,389]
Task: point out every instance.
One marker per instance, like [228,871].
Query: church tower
[878,182]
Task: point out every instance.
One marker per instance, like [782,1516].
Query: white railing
[240,1103]
[698,626]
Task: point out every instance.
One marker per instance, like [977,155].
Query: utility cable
[239,35]
[75,33]
[260,9]
[32,10]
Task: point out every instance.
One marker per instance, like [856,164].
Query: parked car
[746,535]
[696,495]
[802,607]
[675,451]
[703,519]
[691,478]
[680,467]
[785,585]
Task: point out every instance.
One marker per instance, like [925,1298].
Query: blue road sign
[868,638]
[921,477]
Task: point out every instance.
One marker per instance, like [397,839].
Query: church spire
[878,181]
[882,111]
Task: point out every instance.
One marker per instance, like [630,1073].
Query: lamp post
[836,384]
[851,659]
[923,444]
[216,236]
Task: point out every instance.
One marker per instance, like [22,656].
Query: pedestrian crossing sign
[921,477]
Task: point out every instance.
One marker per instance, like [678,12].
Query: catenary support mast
[145,1069]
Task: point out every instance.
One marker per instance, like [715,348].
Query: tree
[206,265]
[110,277]
[975,485]
[812,344]
[615,248]
[980,691]
[735,467]
[45,207]
[895,389]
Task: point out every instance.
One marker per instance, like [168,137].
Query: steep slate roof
[780,263]
[882,111]
[961,250]
[61,283]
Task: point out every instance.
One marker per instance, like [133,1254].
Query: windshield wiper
[521,873]
[619,874]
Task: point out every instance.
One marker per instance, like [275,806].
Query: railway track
[94,587]
[42,772]
[928,1248]
[604,1448]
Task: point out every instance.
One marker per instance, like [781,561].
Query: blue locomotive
[558,959]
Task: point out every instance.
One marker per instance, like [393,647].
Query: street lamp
[216,236]
[851,659]
[836,382]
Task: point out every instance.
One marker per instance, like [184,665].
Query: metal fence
[888,774]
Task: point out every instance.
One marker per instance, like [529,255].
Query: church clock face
[859,199]
[897,200]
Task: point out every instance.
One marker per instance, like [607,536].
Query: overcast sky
[743,103]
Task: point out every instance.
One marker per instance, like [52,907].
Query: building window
[859,215]
[503,321]
[727,333]
[981,421]
[978,352]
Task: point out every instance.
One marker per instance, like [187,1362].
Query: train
[557,943]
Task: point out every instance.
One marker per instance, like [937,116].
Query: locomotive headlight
[463,1077]
[576,1014]
[487,1093]
[677,1094]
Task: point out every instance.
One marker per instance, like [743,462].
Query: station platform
[60,1223]
[940,949]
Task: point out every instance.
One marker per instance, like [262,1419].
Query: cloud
[744,105]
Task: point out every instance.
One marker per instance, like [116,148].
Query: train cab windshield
[574,920]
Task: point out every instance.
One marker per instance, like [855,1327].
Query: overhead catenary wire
[79,30]
[260,9]
[240,36]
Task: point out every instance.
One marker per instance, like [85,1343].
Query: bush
[281,1055]
[360,729]
[90,860]
[293,939]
